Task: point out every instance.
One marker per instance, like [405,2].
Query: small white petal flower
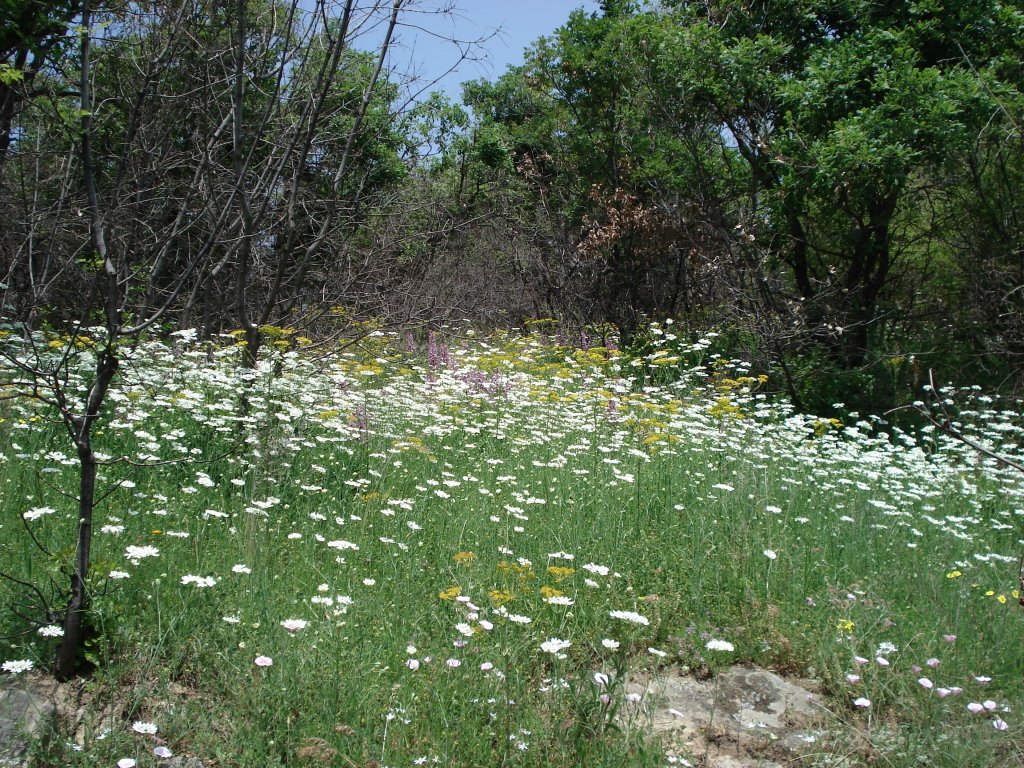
[134,553]
[35,514]
[630,616]
[198,581]
[554,645]
[559,600]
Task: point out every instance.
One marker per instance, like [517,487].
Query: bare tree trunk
[70,646]
[106,367]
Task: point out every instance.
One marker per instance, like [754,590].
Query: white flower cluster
[630,616]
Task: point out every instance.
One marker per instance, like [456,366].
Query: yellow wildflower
[560,572]
[500,596]
[451,593]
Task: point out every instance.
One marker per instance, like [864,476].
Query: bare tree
[211,151]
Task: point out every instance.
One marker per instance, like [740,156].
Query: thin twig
[946,426]
[32,587]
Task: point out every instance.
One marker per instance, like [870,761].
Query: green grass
[416,516]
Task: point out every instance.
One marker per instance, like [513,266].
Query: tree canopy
[833,183]
[795,165]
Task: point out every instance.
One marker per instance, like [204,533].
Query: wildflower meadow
[454,549]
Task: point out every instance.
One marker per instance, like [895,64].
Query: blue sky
[510,25]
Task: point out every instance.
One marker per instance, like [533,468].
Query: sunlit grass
[430,559]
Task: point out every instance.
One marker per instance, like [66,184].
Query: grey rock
[743,717]
[730,761]
[25,715]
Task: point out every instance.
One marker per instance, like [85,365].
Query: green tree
[848,115]
[32,33]
[590,139]
[788,168]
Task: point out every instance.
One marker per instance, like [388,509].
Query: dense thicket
[834,184]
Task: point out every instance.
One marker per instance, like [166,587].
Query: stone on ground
[743,717]
[26,713]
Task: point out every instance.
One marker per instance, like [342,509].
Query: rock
[25,715]
[728,761]
[744,717]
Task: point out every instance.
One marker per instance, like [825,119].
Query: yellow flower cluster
[500,596]
[560,572]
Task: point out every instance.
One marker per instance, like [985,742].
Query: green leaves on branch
[9,75]
[815,148]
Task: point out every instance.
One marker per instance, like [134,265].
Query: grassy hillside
[413,553]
